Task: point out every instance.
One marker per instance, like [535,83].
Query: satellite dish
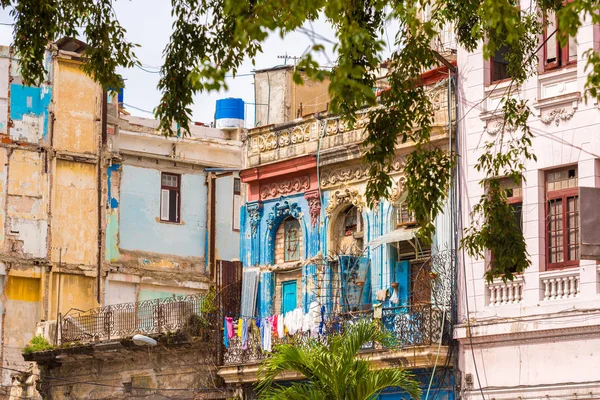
[141,340]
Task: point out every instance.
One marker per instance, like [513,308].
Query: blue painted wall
[30,100]
[139,228]
[256,246]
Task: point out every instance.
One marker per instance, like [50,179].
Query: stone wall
[121,370]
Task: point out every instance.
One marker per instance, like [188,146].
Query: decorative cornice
[278,189]
[314,206]
[345,196]
[557,115]
[254,211]
[355,173]
[283,208]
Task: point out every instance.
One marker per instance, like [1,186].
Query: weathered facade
[311,243]
[536,336]
[98,208]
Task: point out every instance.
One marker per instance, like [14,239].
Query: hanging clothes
[394,299]
[280,329]
[322,323]
[225,334]
[239,328]
[266,335]
[377,310]
[229,325]
[382,295]
[261,330]
[273,322]
[244,334]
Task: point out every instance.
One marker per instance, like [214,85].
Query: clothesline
[282,325]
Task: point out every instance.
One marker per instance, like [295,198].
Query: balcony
[417,332]
[270,143]
[150,317]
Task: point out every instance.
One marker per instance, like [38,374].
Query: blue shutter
[402,276]
[288,296]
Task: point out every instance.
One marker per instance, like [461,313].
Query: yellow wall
[23,289]
[76,291]
[74,213]
[3,164]
[77,100]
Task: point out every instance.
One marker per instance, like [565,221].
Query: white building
[537,337]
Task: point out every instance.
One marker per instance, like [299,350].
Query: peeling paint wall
[77,101]
[22,307]
[4,85]
[29,112]
[72,291]
[140,227]
[113,179]
[26,204]
[74,213]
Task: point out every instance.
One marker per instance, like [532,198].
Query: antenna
[285,57]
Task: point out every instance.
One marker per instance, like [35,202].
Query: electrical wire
[137,108]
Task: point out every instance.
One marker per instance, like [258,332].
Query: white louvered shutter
[164,205]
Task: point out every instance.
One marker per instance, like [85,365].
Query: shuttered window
[170,197]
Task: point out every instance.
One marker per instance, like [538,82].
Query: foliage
[212,37]
[37,343]
[333,370]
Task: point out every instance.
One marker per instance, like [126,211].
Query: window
[514,195]
[403,216]
[291,240]
[499,65]
[237,203]
[562,218]
[169,197]
[556,56]
[352,222]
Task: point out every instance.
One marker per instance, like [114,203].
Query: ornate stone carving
[397,190]
[254,211]
[314,206]
[283,208]
[344,196]
[354,173]
[493,127]
[278,189]
[557,115]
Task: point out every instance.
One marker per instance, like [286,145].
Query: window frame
[496,81]
[286,240]
[562,52]
[170,188]
[563,195]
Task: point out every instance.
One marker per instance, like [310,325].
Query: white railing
[560,285]
[500,293]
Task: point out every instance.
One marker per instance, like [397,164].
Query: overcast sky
[148,23]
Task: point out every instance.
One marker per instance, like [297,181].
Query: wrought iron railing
[409,327]
[146,317]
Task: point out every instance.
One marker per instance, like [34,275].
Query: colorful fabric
[244,334]
[239,328]
[229,325]
[225,334]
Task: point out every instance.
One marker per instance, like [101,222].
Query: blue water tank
[229,113]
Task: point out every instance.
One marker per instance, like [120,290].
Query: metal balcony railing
[409,326]
[145,317]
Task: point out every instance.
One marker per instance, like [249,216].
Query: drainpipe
[100,224]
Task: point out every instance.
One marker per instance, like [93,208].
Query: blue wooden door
[288,296]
